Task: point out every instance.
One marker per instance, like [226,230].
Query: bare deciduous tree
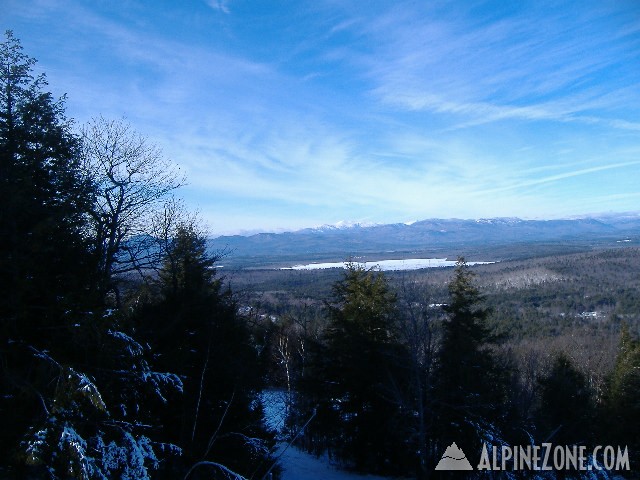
[133,180]
[420,336]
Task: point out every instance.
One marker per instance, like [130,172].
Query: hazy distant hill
[429,235]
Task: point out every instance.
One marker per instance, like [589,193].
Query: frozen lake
[387,265]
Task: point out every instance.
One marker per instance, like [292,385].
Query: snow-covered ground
[299,465]
[274,403]
[387,265]
[296,464]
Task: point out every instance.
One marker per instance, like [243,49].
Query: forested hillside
[548,337]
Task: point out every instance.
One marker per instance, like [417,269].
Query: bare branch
[133,182]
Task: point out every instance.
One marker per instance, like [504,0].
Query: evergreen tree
[566,405]
[73,386]
[469,385]
[44,260]
[622,401]
[44,196]
[354,378]
[195,332]
[188,270]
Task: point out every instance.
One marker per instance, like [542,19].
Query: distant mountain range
[425,235]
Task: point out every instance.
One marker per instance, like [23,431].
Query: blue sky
[289,114]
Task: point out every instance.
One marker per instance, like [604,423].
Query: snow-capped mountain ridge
[347,238]
[341,225]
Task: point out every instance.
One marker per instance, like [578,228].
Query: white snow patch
[593,315]
[274,403]
[297,465]
[36,446]
[88,389]
[436,305]
[133,457]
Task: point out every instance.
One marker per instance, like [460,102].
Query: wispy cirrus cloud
[566,175]
[220,5]
[532,65]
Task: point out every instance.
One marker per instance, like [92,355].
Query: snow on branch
[132,347]
[76,384]
[230,474]
[162,381]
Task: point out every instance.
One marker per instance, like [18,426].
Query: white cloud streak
[220,5]
[542,65]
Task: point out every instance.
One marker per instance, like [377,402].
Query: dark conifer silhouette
[354,375]
[469,384]
[621,416]
[73,384]
[566,404]
[196,333]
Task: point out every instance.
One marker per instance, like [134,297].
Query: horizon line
[364,224]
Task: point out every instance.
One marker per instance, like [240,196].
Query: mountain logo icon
[453,459]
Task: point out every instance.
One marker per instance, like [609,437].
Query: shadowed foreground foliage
[107,368]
